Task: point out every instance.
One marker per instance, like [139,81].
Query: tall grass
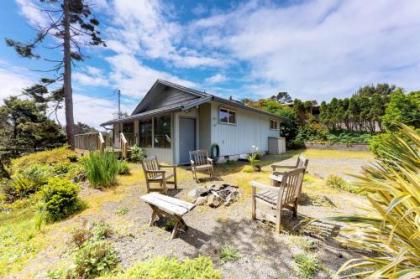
[101,169]
[392,229]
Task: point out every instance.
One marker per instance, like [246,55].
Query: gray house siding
[205,126]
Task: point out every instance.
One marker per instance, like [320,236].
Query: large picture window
[162,132]
[145,133]
[227,116]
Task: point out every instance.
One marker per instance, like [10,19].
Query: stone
[201,200]
[214,201]
[195,193]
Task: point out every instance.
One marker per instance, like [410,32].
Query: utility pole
[119,103]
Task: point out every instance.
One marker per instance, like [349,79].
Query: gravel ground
[263,253]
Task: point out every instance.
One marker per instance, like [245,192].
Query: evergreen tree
[71,22]
[26,126]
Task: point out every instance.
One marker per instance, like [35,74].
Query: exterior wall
[205,126]
[177,115]
[251,128]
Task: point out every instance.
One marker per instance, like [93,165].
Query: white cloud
[134,78]
[321,48]
[13,80]
[145,28]
[217,78]
[91,77]
[84,107]
[32,13]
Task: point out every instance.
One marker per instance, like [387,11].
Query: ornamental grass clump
[101,169]
[391,232]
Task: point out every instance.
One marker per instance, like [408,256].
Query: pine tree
[70,23]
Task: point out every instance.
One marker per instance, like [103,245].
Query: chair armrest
[210,160]
[255,184]
[192,162]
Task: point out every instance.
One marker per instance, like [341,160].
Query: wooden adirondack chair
[277,198]
[154,174]
[201,162]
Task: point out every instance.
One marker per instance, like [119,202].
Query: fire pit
[215,195]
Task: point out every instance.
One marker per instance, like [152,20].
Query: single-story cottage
[172,120]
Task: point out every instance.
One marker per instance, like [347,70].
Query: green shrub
[137,154]
[101,169]
[59,199]
[390,228]
[308,266]
[124,168]
[27,182]
[94,259]
[228,254]
[171,268]
[49,157]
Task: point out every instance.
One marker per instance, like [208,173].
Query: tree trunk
[68,95]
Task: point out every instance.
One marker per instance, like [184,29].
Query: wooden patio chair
[201,162]
[278,198]
[154,174]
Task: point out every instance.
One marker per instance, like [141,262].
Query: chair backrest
[199,157]
[291,186]
[150,164]
[302,162]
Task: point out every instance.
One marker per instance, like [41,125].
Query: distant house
[172,119]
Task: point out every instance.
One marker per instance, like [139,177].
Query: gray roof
[203,97]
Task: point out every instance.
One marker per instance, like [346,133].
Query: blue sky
[312,49]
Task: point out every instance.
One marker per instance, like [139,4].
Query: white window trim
[228,110]
[278,125]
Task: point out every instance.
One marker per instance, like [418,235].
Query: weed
[94,259]
[121,211]
[101,230]
[163,267]
[228,254]
[337,182]
[124,169]
[308,266]
[170,224]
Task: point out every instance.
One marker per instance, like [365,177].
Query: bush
[124,168]
[49,157]
[391,227]
[94,259]
[101,169]
[171,268]
[59,199]
[26,182]
[137,154]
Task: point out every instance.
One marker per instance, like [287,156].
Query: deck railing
[90,141]
[123,145]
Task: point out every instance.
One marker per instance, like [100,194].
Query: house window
[145,133]
[227,116]
[274,125]
[162,132]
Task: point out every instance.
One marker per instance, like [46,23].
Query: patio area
[261,253]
